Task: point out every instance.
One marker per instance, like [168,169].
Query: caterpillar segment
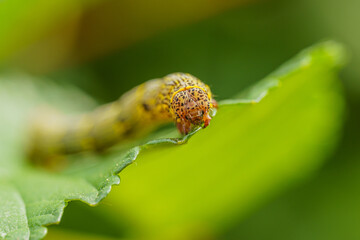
[178,97]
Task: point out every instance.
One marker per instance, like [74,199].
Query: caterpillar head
[191,107]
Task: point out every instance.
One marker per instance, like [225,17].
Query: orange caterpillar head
[191,107]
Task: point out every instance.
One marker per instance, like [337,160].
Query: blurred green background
[230,45]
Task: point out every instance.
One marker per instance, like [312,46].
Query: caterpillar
[178,97]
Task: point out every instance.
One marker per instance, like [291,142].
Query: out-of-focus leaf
[45,35]
[324,208]
[250,152]
[117,24]
[71,235]
[24,22]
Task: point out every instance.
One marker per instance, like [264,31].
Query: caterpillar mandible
[178,97]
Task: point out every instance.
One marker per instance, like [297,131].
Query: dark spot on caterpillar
[129,131]
[122,119]
[146,107]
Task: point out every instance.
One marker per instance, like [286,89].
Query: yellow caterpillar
[178,97]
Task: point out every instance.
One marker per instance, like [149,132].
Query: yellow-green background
[106,47]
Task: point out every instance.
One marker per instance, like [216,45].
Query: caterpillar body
[178,97]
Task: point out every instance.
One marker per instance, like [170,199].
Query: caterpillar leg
[206,120]
[184,127]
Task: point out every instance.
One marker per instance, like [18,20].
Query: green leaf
[276,135]
[278,132]
[36,19]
